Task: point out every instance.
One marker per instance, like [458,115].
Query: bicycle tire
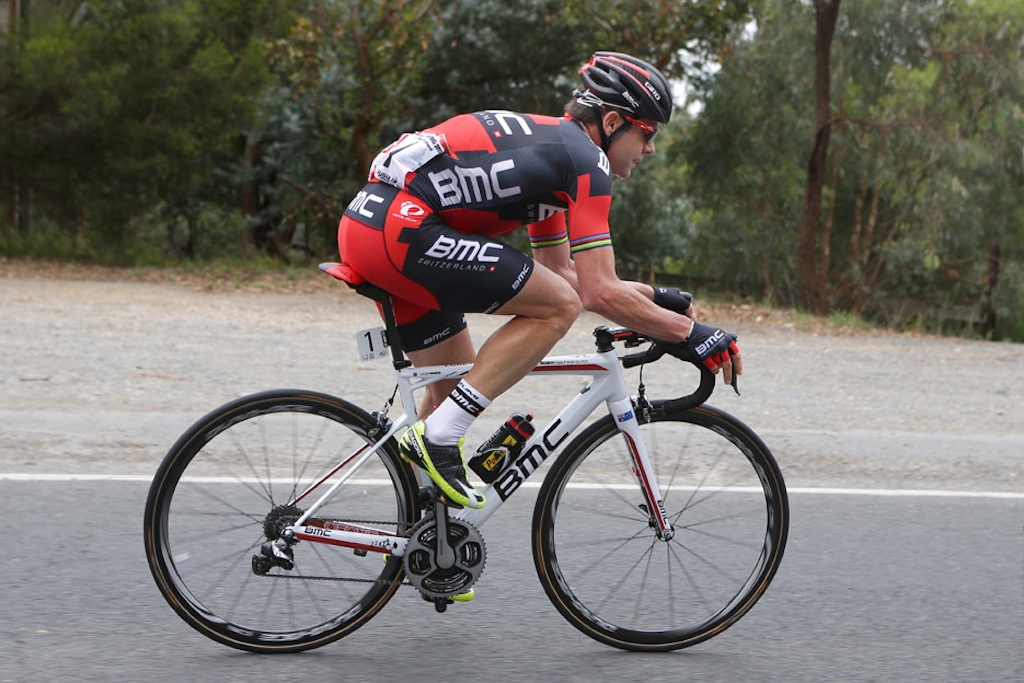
[221,492]
[596,551]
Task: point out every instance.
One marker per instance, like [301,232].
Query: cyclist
[424,230]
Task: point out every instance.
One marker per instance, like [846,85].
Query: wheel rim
[619,582]
[233,485]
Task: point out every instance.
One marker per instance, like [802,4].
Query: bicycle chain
[337,578]
[382,522]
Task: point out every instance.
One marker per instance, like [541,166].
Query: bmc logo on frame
[451,249]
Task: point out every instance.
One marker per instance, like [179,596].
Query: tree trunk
[250,197]
[812,290]
[988,308]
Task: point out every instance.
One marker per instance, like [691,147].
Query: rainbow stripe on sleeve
[603,239]
[551,240]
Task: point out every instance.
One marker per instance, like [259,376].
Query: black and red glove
[711,346]
[673,299]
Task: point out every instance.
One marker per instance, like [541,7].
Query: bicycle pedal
[441,604]
[437,601]
[427,496]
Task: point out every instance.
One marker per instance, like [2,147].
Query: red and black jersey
[423,228]
[502,169]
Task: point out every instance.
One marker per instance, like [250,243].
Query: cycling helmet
[613,79]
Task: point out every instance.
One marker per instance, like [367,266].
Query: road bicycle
[285,520]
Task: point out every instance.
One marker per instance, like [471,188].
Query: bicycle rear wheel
[604,568]
[227,486]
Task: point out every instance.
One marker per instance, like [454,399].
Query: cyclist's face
[629,148]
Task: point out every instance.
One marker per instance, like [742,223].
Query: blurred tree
[812,244]
[119,107]
[127,115]
[921,190]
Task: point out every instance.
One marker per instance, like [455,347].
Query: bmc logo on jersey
[451,249]
[364,202]
[473,184]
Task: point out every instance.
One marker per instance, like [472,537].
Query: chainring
[421,566]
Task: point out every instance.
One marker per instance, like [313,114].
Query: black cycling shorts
[433,272]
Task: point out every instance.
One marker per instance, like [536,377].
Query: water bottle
[502,448]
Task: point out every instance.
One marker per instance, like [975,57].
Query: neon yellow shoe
[443,464]
[463,597]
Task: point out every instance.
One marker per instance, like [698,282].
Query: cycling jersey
[424,226]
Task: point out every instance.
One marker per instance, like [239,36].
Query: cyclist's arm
[549,241]
[557,259]
[625,303]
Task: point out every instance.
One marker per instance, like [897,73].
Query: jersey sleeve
[549,232]
[588,217]
[589,205]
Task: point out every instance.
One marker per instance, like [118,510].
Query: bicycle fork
[629,426]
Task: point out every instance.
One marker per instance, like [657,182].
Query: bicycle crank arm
[444,554]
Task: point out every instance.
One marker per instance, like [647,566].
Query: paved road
[872,589]
[906,555]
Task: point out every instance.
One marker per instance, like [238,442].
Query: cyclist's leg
[454,350]
[396,242]
[543,307]
[542,313]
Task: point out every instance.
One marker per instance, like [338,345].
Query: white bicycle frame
[607,385]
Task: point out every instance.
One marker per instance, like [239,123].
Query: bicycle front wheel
[230,484]
[601,562]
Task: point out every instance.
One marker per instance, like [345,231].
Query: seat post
[387,311]
[350,277]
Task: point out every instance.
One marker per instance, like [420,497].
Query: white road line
[795,490]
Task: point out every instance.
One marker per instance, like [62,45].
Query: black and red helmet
[617,80]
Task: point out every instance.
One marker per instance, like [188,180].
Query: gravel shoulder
[100,374]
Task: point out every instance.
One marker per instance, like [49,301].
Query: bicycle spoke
[611,573]
[230,483]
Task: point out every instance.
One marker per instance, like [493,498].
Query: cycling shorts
[434,273]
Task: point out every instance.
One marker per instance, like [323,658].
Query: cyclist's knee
[546,298]
[566,307]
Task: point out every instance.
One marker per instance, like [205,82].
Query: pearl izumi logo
[411,210]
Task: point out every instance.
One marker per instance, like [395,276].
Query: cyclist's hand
[715,349]
[674,299]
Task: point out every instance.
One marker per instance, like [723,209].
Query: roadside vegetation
[857,162]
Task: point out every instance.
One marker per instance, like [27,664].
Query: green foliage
[746,153]
[126,106]
[1009,303]
[134,131]
[925,177]
[650,221]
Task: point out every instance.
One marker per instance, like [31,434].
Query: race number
[404,156]
[372,343]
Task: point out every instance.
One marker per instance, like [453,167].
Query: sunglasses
[648,130]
